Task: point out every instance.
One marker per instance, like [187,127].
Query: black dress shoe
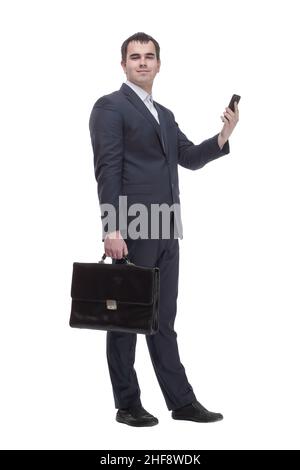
[136,416]
[196,412]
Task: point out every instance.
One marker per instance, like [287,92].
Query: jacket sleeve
[106,130]
[193,156]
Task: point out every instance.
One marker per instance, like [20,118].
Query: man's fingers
[115,247]
[117,254]
[229,114]
[235,112]
[227,117]
[229,111]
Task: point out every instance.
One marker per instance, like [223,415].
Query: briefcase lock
[111,304]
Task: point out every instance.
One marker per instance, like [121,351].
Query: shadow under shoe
[196,412]
[136,416]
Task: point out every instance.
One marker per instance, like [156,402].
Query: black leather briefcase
[115,297]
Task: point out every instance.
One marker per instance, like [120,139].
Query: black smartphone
[233,99]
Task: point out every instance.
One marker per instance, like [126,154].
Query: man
[137,147]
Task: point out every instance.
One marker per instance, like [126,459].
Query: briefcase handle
[127,260]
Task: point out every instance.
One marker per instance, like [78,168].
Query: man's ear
[123,65]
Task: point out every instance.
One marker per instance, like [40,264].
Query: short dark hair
[139,37]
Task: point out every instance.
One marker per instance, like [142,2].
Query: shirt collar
[139,91]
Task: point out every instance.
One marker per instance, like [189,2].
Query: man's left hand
[230,120]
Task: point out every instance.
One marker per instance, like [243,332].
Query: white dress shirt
[145,97]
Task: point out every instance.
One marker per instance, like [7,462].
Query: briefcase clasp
[111,304]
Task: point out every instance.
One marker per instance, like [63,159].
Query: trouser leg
[120,347]
[163,347]
[120,352]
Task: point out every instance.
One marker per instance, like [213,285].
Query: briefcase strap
[127,260]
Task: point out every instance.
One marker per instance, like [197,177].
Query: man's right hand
[114,245]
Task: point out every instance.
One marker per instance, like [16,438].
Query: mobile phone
[233,99]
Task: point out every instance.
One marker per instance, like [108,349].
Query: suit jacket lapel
[141,107]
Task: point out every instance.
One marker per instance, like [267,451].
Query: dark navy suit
[137,157]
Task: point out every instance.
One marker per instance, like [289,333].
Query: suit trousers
[162,346]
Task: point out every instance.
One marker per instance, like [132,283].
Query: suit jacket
[137,157]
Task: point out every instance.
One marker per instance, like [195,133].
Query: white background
[238,306]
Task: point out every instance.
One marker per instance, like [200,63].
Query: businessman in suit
[137,147]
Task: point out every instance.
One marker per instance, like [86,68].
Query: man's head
[141,60]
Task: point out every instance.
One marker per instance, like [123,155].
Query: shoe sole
[137,425]
[197,420]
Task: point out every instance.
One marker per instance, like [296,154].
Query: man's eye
[134,58]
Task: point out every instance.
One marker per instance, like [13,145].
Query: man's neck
[147,89]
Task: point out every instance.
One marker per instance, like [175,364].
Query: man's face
[141,64]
